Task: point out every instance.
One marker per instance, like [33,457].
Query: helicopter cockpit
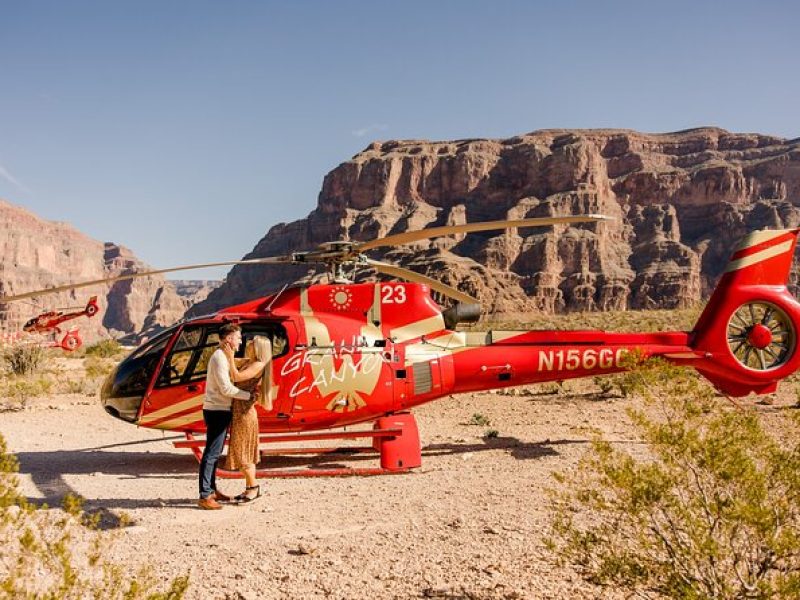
[190,346]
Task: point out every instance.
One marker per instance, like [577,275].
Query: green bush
[606,385]
[9,496]
[552,388]
[17,390]
[23,388]
[104,349]
[23,359]
[59,555]
[97,367]
[479,419]
[713,510]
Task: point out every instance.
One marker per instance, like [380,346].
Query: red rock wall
[38,254]
[680,202]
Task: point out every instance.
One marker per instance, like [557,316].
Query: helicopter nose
[124,407]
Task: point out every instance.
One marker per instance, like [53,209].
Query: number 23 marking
[393,294]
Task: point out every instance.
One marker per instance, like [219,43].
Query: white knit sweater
[219,387]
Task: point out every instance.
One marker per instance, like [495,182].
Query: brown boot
[209,503]
[220,497]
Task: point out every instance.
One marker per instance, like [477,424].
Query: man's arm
[218,367]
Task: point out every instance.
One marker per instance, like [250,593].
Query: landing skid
[394,438]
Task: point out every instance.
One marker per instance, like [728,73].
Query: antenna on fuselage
[278,295]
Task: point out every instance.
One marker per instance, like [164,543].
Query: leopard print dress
[243,443]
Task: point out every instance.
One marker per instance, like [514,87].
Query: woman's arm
[250,371]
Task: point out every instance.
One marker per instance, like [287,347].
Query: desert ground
[469,523]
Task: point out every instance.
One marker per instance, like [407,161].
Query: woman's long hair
[263,350]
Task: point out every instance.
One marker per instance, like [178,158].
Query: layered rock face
[195,290]
[143,304]
[680,202]
[38,254]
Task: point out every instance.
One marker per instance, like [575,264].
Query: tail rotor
[761,336]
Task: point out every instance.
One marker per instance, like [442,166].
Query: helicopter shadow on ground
[49,472]
[516,448]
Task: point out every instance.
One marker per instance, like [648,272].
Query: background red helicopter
[48,324]
[44,329]
[348,353]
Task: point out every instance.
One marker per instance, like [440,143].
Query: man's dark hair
[228,329]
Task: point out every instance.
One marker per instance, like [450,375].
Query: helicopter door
[176,400]
[277,334]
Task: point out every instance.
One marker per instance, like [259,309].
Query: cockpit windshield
[133,374]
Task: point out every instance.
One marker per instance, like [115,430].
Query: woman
[254,375]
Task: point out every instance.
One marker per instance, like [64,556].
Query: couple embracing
[232,391]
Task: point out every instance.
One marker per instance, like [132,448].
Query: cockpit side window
[274,331]
[194,343]
[188,361]
[203,355]
[189,338]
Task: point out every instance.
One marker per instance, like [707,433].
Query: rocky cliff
[38,254]
[680,202]
[195,290]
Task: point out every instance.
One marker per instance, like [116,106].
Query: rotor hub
[760,336]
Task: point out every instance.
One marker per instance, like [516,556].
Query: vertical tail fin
[748,330]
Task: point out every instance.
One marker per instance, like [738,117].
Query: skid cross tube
[197,445]
[191,442]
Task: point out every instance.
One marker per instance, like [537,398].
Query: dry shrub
[77,386]
[711,511]
[97,367]
[23,359]
[105,349]
[606,385]
[58,554]
[479,419]
[15,391]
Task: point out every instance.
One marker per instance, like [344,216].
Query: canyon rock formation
[194,290]
[680,202]
[38,254]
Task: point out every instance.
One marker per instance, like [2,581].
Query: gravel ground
[468,524]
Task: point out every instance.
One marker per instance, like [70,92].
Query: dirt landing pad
[468,524]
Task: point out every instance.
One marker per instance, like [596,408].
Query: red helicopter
[48,323]
[348,353]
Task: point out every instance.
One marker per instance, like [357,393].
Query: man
[217,414]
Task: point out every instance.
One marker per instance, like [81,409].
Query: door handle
[193,388]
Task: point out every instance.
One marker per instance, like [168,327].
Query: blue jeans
[217,422]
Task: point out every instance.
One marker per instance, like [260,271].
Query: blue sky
[185,130]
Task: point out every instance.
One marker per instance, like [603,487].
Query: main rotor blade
[83,284]
[409,275]
[423,234]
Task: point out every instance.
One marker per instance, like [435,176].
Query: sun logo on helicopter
[340,298]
